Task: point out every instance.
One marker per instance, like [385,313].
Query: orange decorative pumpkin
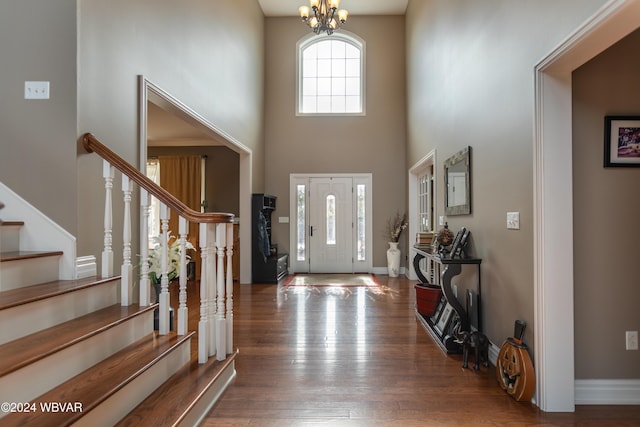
[514,368]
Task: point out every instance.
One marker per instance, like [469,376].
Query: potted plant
[173,266]
[173,261]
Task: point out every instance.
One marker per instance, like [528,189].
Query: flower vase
[393,259]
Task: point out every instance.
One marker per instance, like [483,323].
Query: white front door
[330,225]
[331,217]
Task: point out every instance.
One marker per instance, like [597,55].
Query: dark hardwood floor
[358,357]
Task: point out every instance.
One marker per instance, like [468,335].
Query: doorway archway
[553,192]
[149,92]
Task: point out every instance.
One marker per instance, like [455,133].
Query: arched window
[331,74]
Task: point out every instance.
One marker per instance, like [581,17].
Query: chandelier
[322,18]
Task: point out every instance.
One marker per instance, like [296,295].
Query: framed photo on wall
[621,141]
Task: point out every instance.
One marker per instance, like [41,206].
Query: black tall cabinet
[268,265]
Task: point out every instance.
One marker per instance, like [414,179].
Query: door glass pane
[300,222]
[360,222]
[331,219]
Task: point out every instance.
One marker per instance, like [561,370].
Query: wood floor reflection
[358,357]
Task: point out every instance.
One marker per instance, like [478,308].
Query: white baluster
[229,288]
[212,288]
[203,347]
[221,327]
[163,315]
[145,283]
[107,252]
[126,270]
[183,314]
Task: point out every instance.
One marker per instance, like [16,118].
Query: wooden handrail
[93,145]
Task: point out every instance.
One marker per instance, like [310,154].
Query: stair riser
[35,379]
[114,408]
[25,319]
[27,272]
[9,238]
[199,409]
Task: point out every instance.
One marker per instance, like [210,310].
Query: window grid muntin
[349,101]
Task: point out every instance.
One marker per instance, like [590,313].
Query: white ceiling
[355,7]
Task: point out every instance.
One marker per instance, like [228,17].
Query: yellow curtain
[181,176]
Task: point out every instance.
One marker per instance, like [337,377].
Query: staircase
[71,354]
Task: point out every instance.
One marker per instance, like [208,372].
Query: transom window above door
[331,75]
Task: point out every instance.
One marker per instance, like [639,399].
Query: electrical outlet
[632,340]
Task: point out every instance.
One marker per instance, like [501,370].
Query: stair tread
[21,255]
[14,297]
[98,383]
[170,402]
[11,223]
[23,351]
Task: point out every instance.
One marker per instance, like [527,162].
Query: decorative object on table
[427,298]
[395,227]
[622,141]
[514,368]
[478,343]
[459,243]
[424,240]
[444,238]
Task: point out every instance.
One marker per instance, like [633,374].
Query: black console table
[445,269]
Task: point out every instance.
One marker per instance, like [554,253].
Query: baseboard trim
[384,271]
[607,392]
[86,266]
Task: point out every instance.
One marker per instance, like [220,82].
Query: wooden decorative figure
[514,369]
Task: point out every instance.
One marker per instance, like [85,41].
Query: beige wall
[374,143]
[606,212]
[209,55]
[470,80]
[38,137]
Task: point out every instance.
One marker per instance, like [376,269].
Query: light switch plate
[283,219]
[513,220]
[36,90]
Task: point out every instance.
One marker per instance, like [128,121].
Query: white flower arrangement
[173,259]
